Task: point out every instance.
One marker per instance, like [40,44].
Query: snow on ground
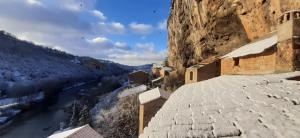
[10,102]
[8,114]
[231,106]
[3,119]
[23,61]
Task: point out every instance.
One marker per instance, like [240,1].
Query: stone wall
[209,71]
[285,56]
[262,63]
[205,72]
[147,111]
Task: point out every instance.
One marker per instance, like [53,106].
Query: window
[236,61]
[191,75]
[288,16]
[297,43]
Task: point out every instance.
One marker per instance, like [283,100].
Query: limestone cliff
[202,29]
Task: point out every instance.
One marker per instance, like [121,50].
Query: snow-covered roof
[196,66]
[231,106]
[256,47]
[157,66]
[131,91]
[79,132]
[153,94]
[157,79]
[167,69]
[136,71]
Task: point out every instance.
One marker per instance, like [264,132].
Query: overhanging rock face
[228,106]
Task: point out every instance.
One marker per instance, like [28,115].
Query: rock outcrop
[200,30]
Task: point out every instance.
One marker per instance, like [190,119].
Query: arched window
[191,75]
[288,16]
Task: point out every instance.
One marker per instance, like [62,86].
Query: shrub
[120,121]
[173,81]
[51,88]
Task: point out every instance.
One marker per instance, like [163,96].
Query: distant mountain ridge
[25,61]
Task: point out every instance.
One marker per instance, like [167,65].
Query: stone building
[288,47]
[202,72]
[165,71]
[155,70]
[274,53]
[137,78]
[160,71]
[150,102]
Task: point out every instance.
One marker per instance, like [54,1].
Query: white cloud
[139,28]
[162,25]
[34,2]
[100,40]
[149,47]
[112,28]
[58,24]
[137,57]
[143,53]
[121,45]
[107,44]
[98,14]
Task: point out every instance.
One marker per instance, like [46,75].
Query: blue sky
[130,32]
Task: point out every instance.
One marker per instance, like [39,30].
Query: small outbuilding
[137,78]
[150,102]
[202,72]
[275,53]
[258,57]
[79,132]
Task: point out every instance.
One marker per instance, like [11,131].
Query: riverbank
[43,121]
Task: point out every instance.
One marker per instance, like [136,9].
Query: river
[40,123]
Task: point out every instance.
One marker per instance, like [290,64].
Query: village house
[160,71]
[79,132]
[155,70]
[137,78]
[274,53]
[150,102]
[202,72]
[165,71]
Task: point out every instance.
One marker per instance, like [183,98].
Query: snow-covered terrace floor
[231,106]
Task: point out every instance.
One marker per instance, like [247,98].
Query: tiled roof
[231,106]
[256,47]
[80,132]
